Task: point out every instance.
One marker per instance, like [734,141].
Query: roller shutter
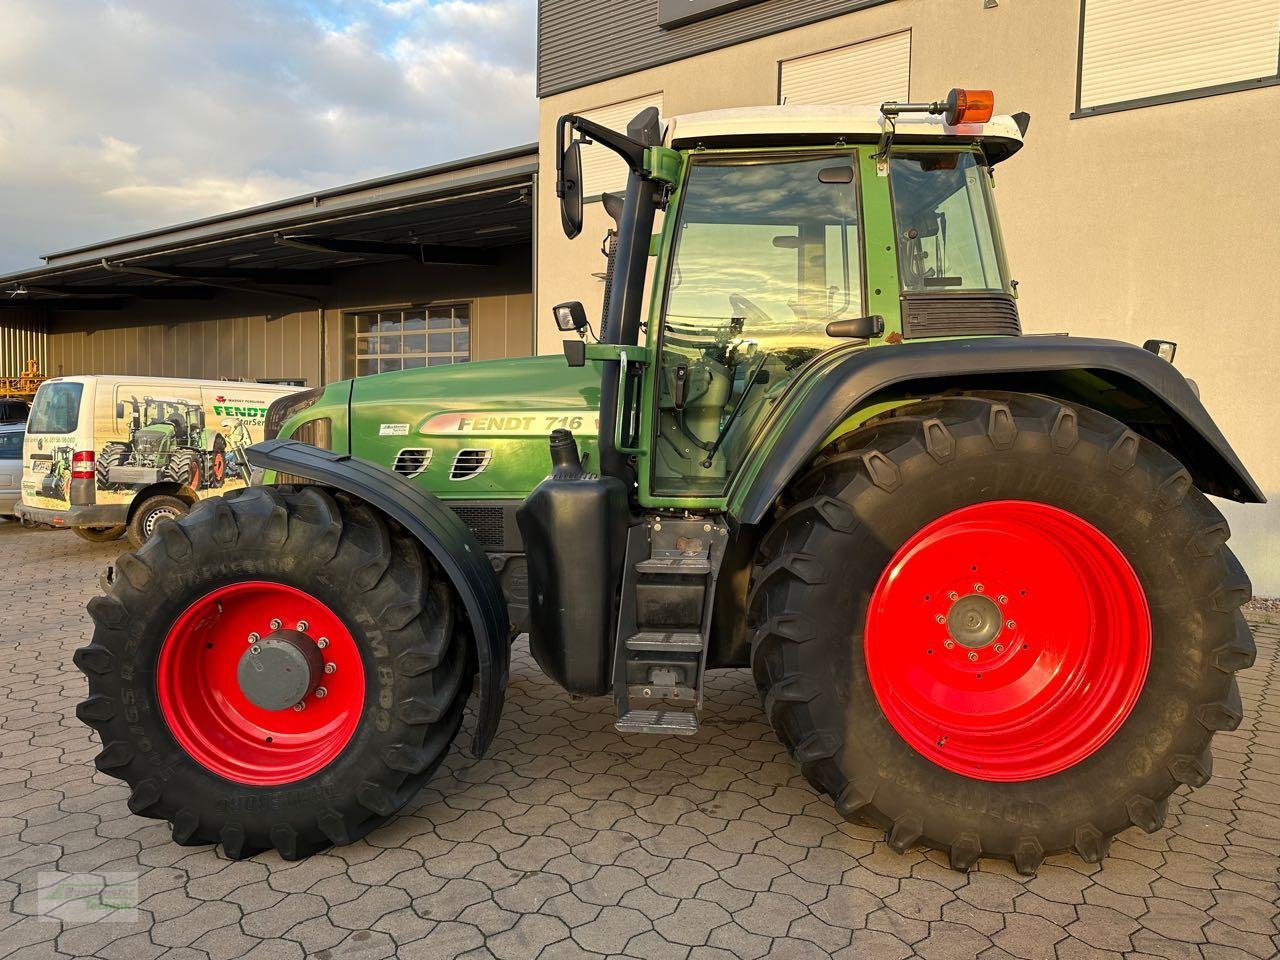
[1139,49]
[869,72]
[603,171]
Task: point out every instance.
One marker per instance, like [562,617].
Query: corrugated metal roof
[469,172]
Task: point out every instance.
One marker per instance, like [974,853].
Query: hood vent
[412,461]
[469,463]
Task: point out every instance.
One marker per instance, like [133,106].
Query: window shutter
[603,171]
[1135,49]
[870,72]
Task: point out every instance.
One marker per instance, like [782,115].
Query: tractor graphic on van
[168,441]
[54,469]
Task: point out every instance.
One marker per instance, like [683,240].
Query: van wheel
[101,534]
[278,669]
[151,512]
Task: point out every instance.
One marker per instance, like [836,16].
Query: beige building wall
[1154,222]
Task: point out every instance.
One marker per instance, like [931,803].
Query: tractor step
[666,642]
[666,722]
[676,563]
[664,622]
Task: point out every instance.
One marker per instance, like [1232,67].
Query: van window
[57,408]
[11,445]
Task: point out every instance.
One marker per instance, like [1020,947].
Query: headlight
[284,408]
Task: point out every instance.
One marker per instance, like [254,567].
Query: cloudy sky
[117,116]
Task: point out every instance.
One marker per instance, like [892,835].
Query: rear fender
[443,535]
[1128,383]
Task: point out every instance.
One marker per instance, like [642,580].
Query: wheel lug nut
[302,626]
[255,649]
[978,588]
[948,644]
[953,595]
[275,623]
[973,655]
[254,638]
[1010,624]
[330,668]
[1002,598]
[322,642]
[299,707]
[999,648]
[321,693]
[940,618]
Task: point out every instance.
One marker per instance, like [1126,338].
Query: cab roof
[793,124]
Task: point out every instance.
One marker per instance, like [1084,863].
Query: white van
[106,455]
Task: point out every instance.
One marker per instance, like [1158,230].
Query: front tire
[197,745]
[877,660]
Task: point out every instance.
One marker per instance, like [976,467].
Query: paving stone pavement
[569,841]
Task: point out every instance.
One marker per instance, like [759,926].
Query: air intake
[469,463]
[411,462]
[959,315]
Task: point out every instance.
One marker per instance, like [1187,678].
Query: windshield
[946,234]
[767,254]
[56,409]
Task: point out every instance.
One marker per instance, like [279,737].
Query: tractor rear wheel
[999,626]
[281,668]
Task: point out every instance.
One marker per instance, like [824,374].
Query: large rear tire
[383,644]
[999,626]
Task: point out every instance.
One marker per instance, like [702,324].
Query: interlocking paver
[562,848]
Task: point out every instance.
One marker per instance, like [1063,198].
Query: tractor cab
[789,232]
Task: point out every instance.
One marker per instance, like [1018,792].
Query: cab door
[765,250]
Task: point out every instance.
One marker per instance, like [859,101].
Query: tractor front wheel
[279,668]
[999,626]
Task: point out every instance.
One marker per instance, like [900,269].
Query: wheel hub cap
[1007,641]
[974,621]
[280,670]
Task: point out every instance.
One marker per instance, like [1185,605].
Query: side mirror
[569,189]
[570,316]
[119,409]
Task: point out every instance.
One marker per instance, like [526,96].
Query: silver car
[10,466]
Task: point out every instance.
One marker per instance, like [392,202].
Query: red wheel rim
[1008,640]
[209,714]
[219,466]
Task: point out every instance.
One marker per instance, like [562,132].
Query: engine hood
[481,428]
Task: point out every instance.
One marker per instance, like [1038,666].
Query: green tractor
[982,592]
[168,442]
[56,466]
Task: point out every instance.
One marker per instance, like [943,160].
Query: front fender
[1124,381]
[443,535]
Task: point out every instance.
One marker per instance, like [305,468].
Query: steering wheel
[748,311]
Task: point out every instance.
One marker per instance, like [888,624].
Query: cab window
[767,253]
[942,214]
[56,408]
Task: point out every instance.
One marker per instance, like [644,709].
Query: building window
[869,72]
[603,171]
[402,339]
[1138,53]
